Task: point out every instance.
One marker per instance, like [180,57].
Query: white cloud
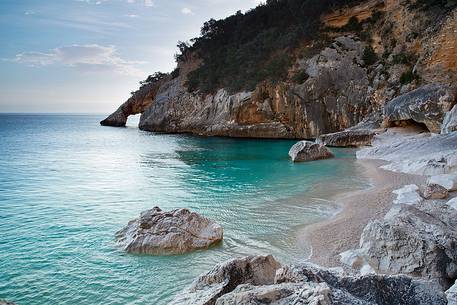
[148,3]
[187,11]
[89,57]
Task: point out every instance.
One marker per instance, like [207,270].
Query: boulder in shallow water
[448,181]
[427,105]
[309,151]
[348,138]
[174,232]
[251,280]
[434,191]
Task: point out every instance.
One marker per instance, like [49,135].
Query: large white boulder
[174,232]
[309,151]
[419,240]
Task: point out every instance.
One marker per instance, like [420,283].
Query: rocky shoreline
[406,252]
[389,88]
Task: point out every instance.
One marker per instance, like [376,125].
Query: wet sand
[327,239]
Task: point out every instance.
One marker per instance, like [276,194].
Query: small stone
[434,191]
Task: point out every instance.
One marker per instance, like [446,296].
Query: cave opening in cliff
[418,126]
[133,120]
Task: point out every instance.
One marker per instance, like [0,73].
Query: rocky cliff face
[339,86]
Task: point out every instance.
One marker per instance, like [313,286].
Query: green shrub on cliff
[408,77]
[244,49]
[153,78]
[369,56]
[300,77]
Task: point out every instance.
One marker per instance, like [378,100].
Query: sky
[86,56]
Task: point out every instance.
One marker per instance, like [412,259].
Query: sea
[68,184]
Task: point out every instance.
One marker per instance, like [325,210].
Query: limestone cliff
[395,47]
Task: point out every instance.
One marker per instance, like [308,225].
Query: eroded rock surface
[419,240]
[348,138]
[251,280]
[137,103]
[450,121]
[332,98]
[427,105]
[309,151]
[413,153]
[174,232]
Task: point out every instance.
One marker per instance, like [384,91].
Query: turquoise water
[67,185]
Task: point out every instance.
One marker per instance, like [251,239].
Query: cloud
[187,11]
[148,3]
[89,57]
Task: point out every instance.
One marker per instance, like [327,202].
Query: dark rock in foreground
[309,151]
[427,105]
[251,280]
[174,232]
[348,138]
[223,278]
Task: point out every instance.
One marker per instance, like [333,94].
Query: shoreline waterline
[328,238]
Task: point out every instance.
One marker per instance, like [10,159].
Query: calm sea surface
[67,185]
